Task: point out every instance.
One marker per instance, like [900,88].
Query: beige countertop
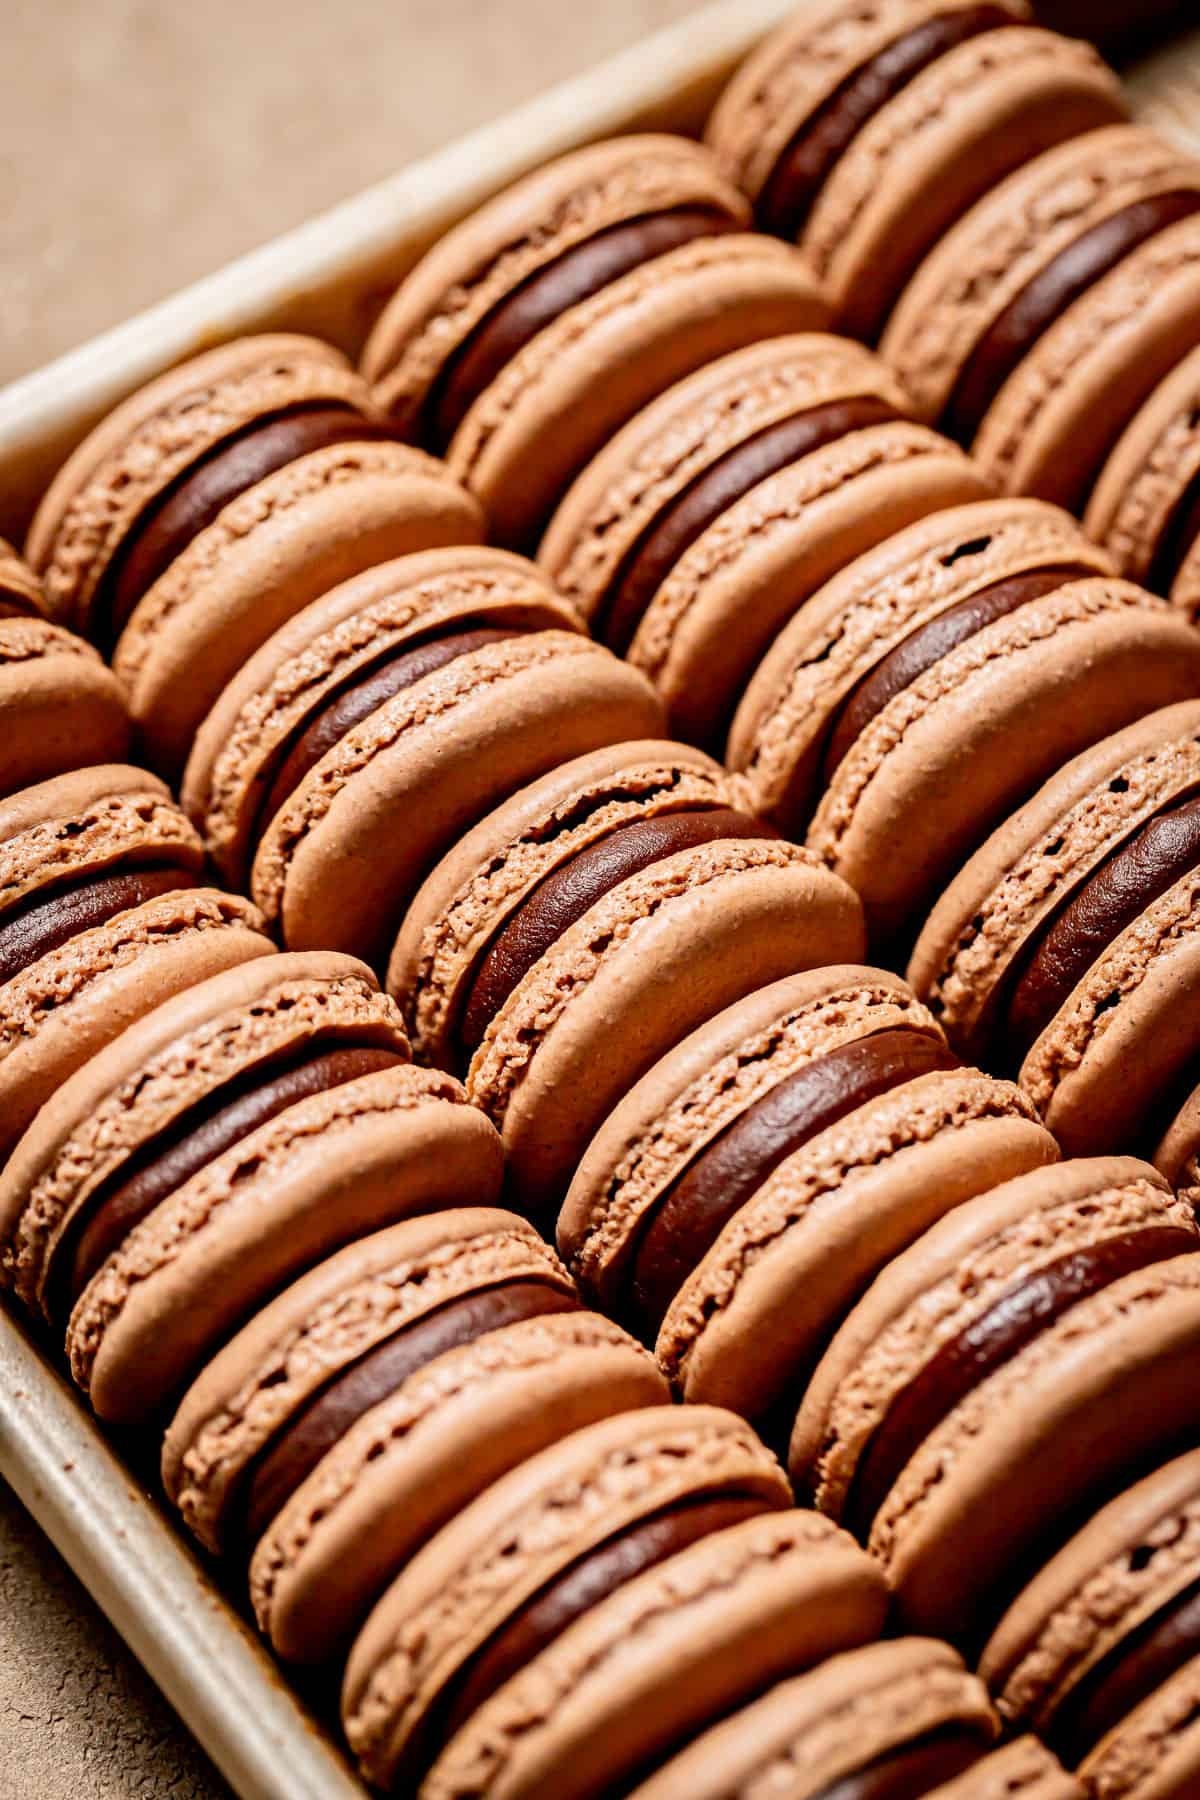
[143,143]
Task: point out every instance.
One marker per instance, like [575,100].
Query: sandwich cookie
[1041,323]
[535,329]
[217,502]
[229,1141]
[1018,1362]
[696,534]
[585,927]
[375,1398]
[929,687]
[1101,1652]
[1066,949]
[1145,508]
[618,1592]
[21,594]
[863,132]
[888,1719]
[103,916]
[379,724]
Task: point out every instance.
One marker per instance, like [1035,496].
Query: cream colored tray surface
[329,277]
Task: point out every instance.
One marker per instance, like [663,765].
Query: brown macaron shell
[1083,1405]
[906,157]
[482,884]
[161,1080]
[851,1718]
[659,953]
[1018,259]
[61,708]
[327,1170]
[388,799]
[698,1094]
[731,500]
[1143,508]
[1154,1754]
[21,595]
[338,643]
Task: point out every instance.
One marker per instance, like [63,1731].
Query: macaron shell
[328,1169]
[411,1464]
[1154,1754]
[1093,1396]
[1128,1029]
[645,965]
[1040,855]
[792,1262]
[474,268]
[1054,421]
[697,1090]
[75,1000]
[556,402]
[147,442]
[1052,677]
[1024,1770]
[431,761]
[320,650]
[656,457]
[83,822]
[20,589]
[661,1656]
[148,1078]
[487,875]
[1150,469]
[284,543]
[1130,1559]
[868,609]
[985,261]
[60,707]
[921,1302]
[523,1530]
[816,1730]
[950,135]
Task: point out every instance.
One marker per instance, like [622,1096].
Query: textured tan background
[143,143]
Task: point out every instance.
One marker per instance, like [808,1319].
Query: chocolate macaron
[924,691]
[371,1401]
[1041,323]
[612,1596]
[535,329]
[103,915]
[1101,1652]
[217,502]
[864,131]
[1003,1376]
[1066,949]
[713,516]
[586,926]
[749,1188]
[60,706]
[227,1142]
[897,1718]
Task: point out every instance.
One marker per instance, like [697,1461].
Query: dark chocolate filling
[276,1473]
[1179,536]
[1132,1670]
[1046,298]
[802,170]
[1012,1322]
[567,282]
[47,920]
[1114,896]
[544,1617]
[914,1771]
[929,644]
[712,493]
[362,695]
[692,1213]
[192,502]
[563,897]
[203,1133]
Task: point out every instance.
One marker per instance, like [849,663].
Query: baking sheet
[330,277]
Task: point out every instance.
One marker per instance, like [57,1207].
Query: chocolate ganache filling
[915,1770]
[1179,537]
[806,164]
[1131,1671]
[51,917]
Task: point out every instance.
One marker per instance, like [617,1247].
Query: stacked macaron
[533,330]
[60,707]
